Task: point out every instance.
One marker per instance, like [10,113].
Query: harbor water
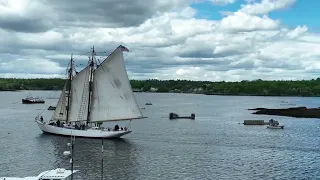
[216,145]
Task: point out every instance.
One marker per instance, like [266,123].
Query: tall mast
[69,85]
[72,147]
[90,83]
[102,159]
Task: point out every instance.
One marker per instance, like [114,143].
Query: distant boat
[51,108]
[273,124]
[96,94]
[32,100]
[52,97]
[284,101]
[55,174]
[149,104]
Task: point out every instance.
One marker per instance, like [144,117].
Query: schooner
[96,94]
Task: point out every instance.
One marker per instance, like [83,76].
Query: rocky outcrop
[301,112]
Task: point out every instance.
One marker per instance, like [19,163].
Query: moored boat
[51,108]
[98,93]
[273,124]
[32,100]
[275,127]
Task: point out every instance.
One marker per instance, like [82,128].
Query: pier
[176,116]
[255,122]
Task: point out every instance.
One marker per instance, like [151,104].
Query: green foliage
[163,89]
[256,87]
[31,84]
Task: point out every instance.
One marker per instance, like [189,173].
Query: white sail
[78,110]
[60,112]
[112,96]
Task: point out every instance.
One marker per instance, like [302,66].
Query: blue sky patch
[303,12]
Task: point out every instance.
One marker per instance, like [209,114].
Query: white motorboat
[273,124]
[275,127]
[97,94]
[56,174]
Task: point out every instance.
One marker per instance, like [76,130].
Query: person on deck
[116,127]
[41,119]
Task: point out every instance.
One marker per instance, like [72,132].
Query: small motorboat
[32,100]
[275,127]
[55,174]
[51,108]
[273,124]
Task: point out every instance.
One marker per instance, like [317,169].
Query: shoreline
[207,94]
[268,88]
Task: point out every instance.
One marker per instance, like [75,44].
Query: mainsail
[112,96]
[60,112]
[79,96]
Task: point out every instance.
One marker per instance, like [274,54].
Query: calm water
[214,146]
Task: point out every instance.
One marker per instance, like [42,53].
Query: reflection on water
[87,156]
[213,146]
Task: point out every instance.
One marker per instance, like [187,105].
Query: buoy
[66,153]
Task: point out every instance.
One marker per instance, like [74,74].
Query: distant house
[152,89]
[136,90]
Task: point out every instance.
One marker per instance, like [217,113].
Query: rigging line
[81,55]
[101,52]
[100,63]
[88,53]
[16,102]
[43,109]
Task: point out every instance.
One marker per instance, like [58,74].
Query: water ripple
[214,146]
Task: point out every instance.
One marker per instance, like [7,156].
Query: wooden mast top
[69,86]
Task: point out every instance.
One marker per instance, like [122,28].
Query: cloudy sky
[213,40]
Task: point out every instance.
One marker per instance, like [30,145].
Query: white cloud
[242,22]
[36,66]
[265,6]
[31,75]
[169,43]
[297,32]
[222,2]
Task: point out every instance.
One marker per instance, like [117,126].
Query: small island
[299,112]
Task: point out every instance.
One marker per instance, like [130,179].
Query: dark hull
[51,108]
[26,101]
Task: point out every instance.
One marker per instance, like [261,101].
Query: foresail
[60,112]
[112,96]
[79,96]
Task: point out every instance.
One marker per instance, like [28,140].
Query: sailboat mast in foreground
[55,174]
[94,96]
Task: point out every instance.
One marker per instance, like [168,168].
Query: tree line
[257,87]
